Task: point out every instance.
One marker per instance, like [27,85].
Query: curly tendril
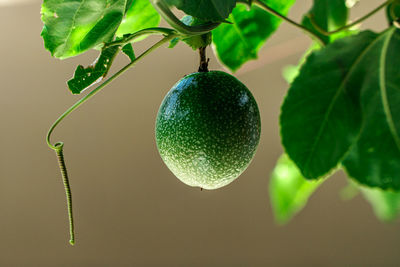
[58,147]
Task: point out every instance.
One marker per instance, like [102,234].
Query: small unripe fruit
[207,129]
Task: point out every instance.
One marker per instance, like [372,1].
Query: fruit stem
[203,67]
[58,147]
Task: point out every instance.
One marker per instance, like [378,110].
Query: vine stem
[58,147]
[128,38]
[294,23]
[348,26]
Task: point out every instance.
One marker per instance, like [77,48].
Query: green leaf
[85,77]
[128,50]
[350,191]
[386,205]
[351,3]
[139,16]
[173,42]
[239,42]
[290,72]
[289,191]
[197,41]
[320,117]
[128,5]
[393,12]
[329,15]
[374,159]
[73,26]
[209,10]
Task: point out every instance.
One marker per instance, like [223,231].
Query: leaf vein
[383,89]
[72,25]
[331,105]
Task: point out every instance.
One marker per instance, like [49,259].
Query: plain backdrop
[129,209]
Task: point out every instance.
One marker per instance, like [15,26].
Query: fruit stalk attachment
[203,67]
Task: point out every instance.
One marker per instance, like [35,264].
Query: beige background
[130,210]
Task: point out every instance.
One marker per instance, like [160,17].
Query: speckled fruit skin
[207,129]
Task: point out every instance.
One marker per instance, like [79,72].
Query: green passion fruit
[207,129]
